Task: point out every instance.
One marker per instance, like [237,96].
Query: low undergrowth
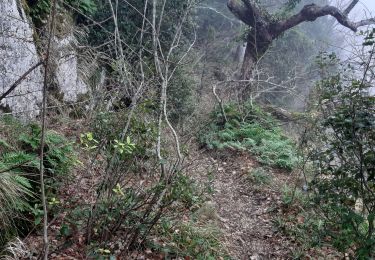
[189,240]
[250,129]
[339,157]
[303,225]
[190,230]
[20,206]
[260,176]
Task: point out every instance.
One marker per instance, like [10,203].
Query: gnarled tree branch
[350,7]
[365,22]
[311,13]
[242,12]
[264,30]
[249,13]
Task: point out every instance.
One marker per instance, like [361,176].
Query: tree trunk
[263,29]
[258,42]
[248,63]
[240,53]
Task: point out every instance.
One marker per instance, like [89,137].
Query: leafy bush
[108,127]
[187,191]
[260,176]
[300,222]
[59,152]
[253,131]
[341,146]
[197,238]
[39,10]
[19,166]
[306,227]
[293,196]
[189,240]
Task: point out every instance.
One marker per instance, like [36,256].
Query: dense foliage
[343,155]
[251,130]
[19,164]
[40,10]
[142,187]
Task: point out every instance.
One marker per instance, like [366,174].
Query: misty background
[291,61]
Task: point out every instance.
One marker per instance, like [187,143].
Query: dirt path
[246,209]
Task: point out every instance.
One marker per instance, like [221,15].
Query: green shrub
[19,168]
[189,240]
[305,227]
[292,196]
[260,176]
[254,132]
[340,144]
[40,10]
[59,152]
[187,191]
[107,127]
[198,238]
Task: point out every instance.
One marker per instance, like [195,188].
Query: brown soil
[246,209]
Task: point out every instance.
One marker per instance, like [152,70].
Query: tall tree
[264,28]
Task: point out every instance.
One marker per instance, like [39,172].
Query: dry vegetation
[177,151]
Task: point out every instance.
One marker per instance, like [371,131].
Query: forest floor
[246,207]
[246,211]
[254,209]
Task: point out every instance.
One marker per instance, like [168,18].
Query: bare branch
[312,12]
[350,7]
[220,101]
[19,80]
[43,131]
[365,22]
[231,20]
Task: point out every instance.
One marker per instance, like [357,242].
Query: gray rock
[18,54]
[67,71]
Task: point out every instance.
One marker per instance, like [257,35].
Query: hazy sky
[361,4]
[365,7]
[370,4]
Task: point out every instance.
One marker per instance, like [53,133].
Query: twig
[220,101]
[42,141]
[18,81]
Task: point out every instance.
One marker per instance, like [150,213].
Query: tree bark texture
[264,29]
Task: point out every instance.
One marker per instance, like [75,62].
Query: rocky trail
[246,208]
[242,208]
